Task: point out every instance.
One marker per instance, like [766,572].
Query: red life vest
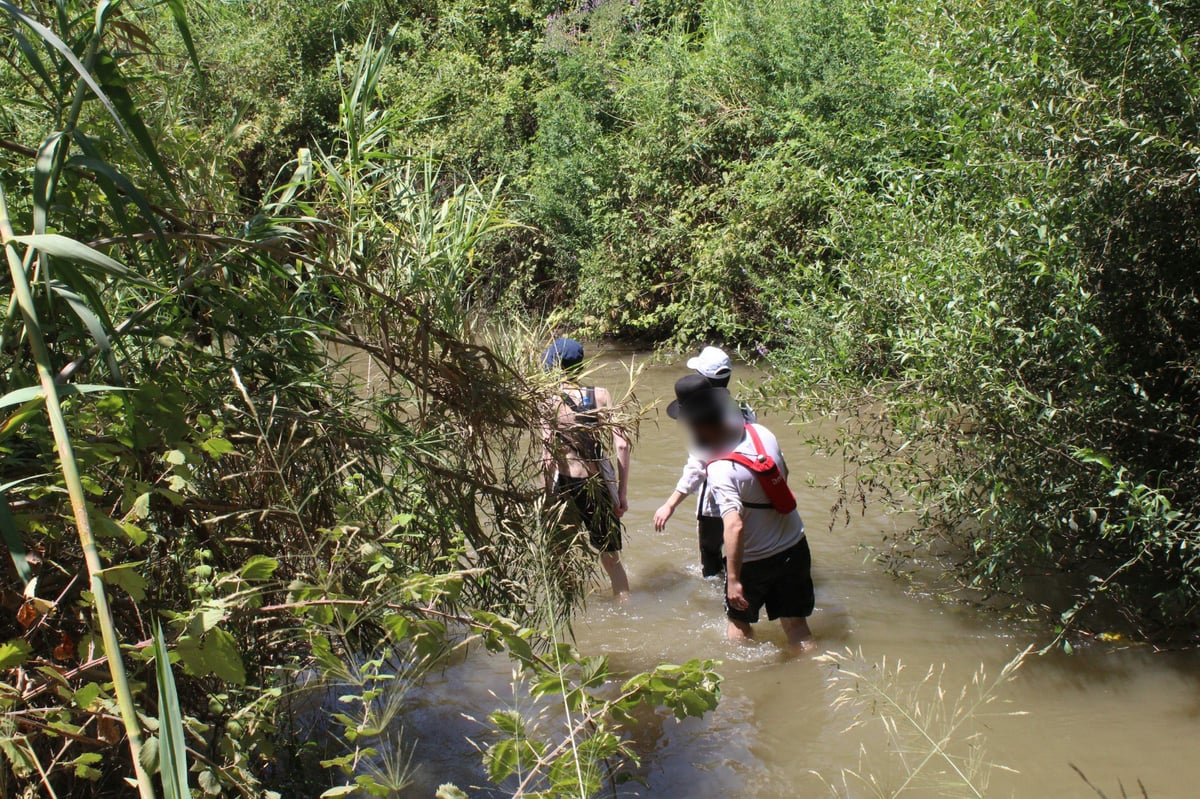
[769,475]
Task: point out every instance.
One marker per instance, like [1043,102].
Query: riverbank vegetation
[260,388]
[978,221]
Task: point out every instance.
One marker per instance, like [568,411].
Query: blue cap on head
[562,352]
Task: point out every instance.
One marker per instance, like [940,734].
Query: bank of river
[1120,715]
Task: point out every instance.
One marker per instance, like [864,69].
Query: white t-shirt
[694,475]
[735,489]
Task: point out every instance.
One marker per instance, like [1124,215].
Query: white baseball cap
[711,362]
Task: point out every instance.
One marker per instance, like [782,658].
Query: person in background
[715,367]
[767,557]
[578,468]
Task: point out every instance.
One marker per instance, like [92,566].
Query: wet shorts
[593,508]
[782,582]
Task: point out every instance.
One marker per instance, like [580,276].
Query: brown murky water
[1119,715]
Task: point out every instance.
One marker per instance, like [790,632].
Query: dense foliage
[253,416]
[977,220]
[263,463]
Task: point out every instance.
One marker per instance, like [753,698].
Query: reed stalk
[75,490]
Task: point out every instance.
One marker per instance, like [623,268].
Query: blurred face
[709,433]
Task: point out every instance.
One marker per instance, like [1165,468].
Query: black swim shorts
[592,506]
[782,582]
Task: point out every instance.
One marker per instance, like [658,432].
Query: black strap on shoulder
[588,396]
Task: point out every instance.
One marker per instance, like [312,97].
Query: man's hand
[736,596]
[622,507]
[662,516]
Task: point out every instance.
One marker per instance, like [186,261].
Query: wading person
[767,558]
[577,465]
[714,366]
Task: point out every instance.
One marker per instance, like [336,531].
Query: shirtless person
[714,365]
[768,562]
[578,468]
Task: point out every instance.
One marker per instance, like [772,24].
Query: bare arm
[548,463]
[663,514]
[734,550]
[622,448]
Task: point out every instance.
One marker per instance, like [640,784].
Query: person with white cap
[714,365]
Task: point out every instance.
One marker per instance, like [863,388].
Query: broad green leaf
[209,782]
[14,653]
[84,766]
[149,754]
[127,578]
[216,447]
[136,534]
[141,507]
[19,754]
[259,567]
[86,695]
[214,653]
[341,790]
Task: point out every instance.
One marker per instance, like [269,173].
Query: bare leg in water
[800,637]
[739,632]
[616,573]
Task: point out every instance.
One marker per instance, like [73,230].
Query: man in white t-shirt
[768,563]
[714,366]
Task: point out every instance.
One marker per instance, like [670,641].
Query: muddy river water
[1118,714]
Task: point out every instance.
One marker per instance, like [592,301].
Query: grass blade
[118,187]
[179,15]
[12,539]
[23,414]
[71,250]
[47,155]
[172,751]
[94,323]
[115,82]
[52,39]
[21,396]
[35,61]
